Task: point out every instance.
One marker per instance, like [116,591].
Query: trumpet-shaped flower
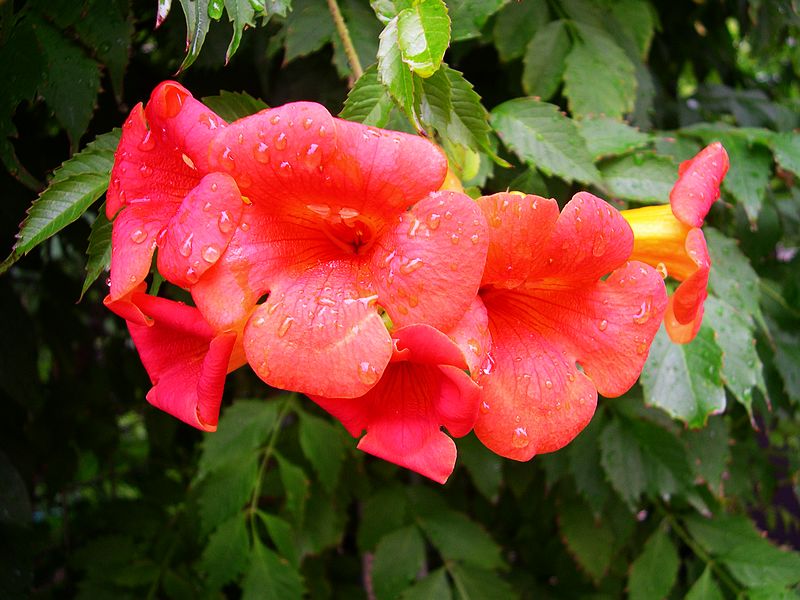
[669,237]
[341,220]
[187,361]
[561,331]
[424,387]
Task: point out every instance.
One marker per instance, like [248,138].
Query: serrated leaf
[423,34]
[545,60]
[732,278]
[72,81]
[386,10]
[270,576]
[705,588]
[394,73]
[584,462]
[397,559]
[665,460]
[295,484]
[197,22]
[234,105]
[225,491]
[308,27]
[99,251]
[787,357]
[515,25]
[654,571]
[749,557]
[324,522]
[741,366]
[638,19]
[322,445]
[608,137]
[749,173]
[282,535]
[709,452]
[434,585]
[76,185]
[599,78]
[456,537]
[241,14]
[588,540]
[473,583]
[485,468]
[227,552]
[368,102]
[544,138]
[244,426]
[468,16]
[786,147]
[642,177]
[622,462]
[383,512]
[685,379]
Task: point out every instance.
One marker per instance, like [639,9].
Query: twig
[347,42]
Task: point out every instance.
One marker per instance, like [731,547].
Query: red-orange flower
[669,237]
[560,330]
[424,388]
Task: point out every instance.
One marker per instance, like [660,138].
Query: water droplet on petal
[148,142]
[599,245]
[474,238]
[548,384]
[488,365]
[210,254]
[571,377]
[433,221]
[280,141]
[519,438]
[644,313]
[455,238]
[228,162]
[275,119]
[214,187]
[411,266]
[138,236]
[207,120]
[308,122]
[145,170]
[367,373]
[412,231]
[474,346]
[485,408]
[263,369]
[285,325]
[259,321]
[602,325]
[662,270]
[191,275]
[260,153]
[240,138]
[186,246]
[225,222]
[285,169]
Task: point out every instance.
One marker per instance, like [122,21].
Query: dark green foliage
[687,486]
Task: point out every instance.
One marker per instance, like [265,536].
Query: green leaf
[741,366]
[423,34]
[474,583]
[642,177]
[666,463]
[368,102]
[241,14]
[270,576]
[283,536]
[398,558]
[653,573]
[308,27]
[599,78]
[99,251]
[324,522]
[468,16]
[234,105]
[197,22]
[584,462]
[485,468]
[545,60]
[684,379]
[394,73]
[381,513]
[516,25]
[72,82]
[622,461]
[225,491]
[244,426]
[435,585]
[609,137]
[705,588]
[787,357]
[322,445]
[750,558]
[76,185]
[386,10]
[588,540]
[786,147]
[749,173]
[456,537]
[732,278]
[295,484]
[638,19]
[227,552]
[544,138]
[709,452]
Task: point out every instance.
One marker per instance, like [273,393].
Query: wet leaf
[423,34]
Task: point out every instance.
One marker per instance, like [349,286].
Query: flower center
[348,229]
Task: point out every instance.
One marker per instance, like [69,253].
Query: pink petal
[318,333]
[427,268]
[685,310]
[199,232]
[471,334]
[698,184]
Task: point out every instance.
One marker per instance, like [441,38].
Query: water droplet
[228,163]
[285,325]
[448,215]
[412,231]
[602,325]
[263,369]
[186,246]
[599,245]
[411,266]
[474,346]
[581,400]
[662,270]
[323,210]
[207,206]
[225,222]
[285,169]
[322,131]
[519,438]
[275,119]
[388,258]
[161,236]
[259,321]
[108,281]
[191,275]
[455,239]
[308,122]
[260,153]
[244,226]
[485,408]
[641,348]
[578,223]
[474,238]
[367,373]
[214,187]
[644,313]
[548,384]
[148,142]
[488,365]
[138,236]
[348,214]
[312,157]
[433,221]
[571,377]
[280,141]
[210,254]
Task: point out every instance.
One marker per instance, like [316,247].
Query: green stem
[347,42]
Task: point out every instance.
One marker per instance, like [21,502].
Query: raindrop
[599,245]
[578,223]
[186,247]
[448,215]
[244,226]
[263,369]
[280,141]
[367,373]
[488,365]
[323,210]
[108,281]
[322,131]
[285,169]
[240,138]
[260,153]
[225,222]
[662,270]
[602,325]
[138,236]
[229,163]
[411,266]
[484,408]
[210,254]
[312,158]
[191,275]
[308,122]
[273,307]
[148,142]
[275,119]
[455,239]
[643,315]
[145,170]
[412,231]
[285,325]
[207,120]
[259,321]
[519,439]
[474,238]
[571,377]
[433,221]
[207,206]
[161,236]
[474,346]
[548,384]
[214,187]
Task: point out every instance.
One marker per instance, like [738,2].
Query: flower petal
[471,334]
[185,359]
[684,313]
[319,333]
[428,267]
[698,184]
[199,232]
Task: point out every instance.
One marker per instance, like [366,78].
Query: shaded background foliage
[102,496]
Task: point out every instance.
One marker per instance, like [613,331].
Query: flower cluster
[326,255]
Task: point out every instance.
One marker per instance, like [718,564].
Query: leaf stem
[347,42]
